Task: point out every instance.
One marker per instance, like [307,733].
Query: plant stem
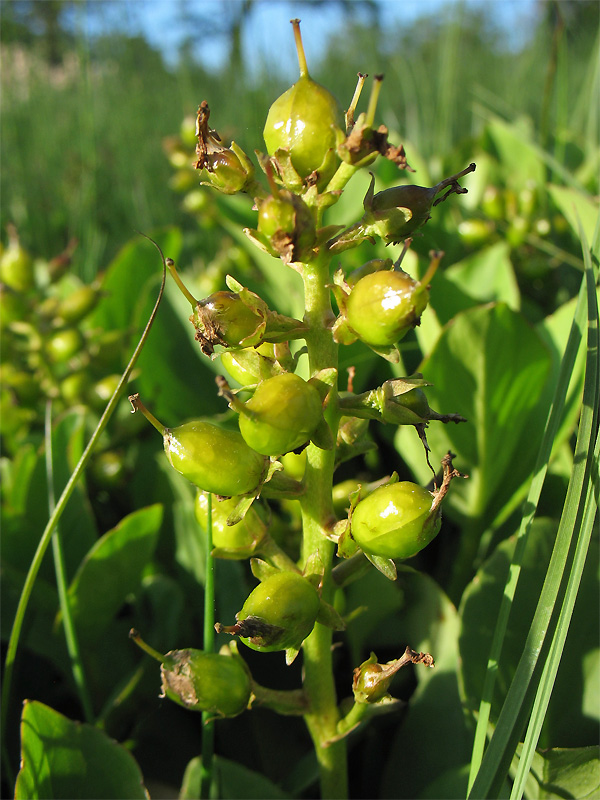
[71,639]
[317,516]
[208,723]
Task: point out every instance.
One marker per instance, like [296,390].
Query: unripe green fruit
[384,306]
[73,387]
[216,460]
[285,410]
[108,469]
[287,217]
[232,541]
[303,121]
[251,364]
[12,306]
[395,521]
[229,317]
[306,122]
[16,266]
[64,345]
[369,685]
[286,601]
[474,232]
[206,682]
[100,392]
[78,304]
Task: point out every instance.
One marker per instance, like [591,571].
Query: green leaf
[230,780]
[573,714]
[483,277]
[555,330]
[135,268]
[21,531]
[432,737]
[571,773]
[492,367]
[112,569]
[65,759]
[513,145]
[577,208]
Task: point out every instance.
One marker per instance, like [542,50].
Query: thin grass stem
[71,639]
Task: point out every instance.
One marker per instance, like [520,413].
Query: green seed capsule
[206,682]
[231,541]
[214,459]
[383,306]
[287,604]
[306,121]
[395,521]
[16,266]
[282,414]
[369,684]
[78,304]
[64,345]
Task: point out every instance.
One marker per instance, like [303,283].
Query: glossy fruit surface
[231,541]
[369,684]
[63,345]
[230,316]
[288,602]
[395,521]
[206,682]
[304,121]
[250,364]
[384,306]
[285,410]
[214,459]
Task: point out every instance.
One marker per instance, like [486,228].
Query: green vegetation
[421,660]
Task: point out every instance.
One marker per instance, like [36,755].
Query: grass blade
[208,717]
[530,506]
[61,582]
[581,517]
[517,702]
[46,537]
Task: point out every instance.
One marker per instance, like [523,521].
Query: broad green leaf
[568,773]
[40,636]
[490,366]
[432,737]
[170,374]
[483,277]
[112,569]
[231,781]
[577,208]
[125,281]
[512,142]
[16,474]
[175,379]
[574,710]
[64,759]
[21,531]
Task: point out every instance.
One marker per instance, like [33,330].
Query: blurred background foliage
[84,114]
[97,143]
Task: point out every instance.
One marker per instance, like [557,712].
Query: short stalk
[271,552]
[317,514]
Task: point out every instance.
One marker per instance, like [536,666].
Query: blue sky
[161,22]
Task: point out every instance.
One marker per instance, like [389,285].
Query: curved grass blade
[60,507]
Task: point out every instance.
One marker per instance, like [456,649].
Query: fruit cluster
[292,425]
[52,350]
